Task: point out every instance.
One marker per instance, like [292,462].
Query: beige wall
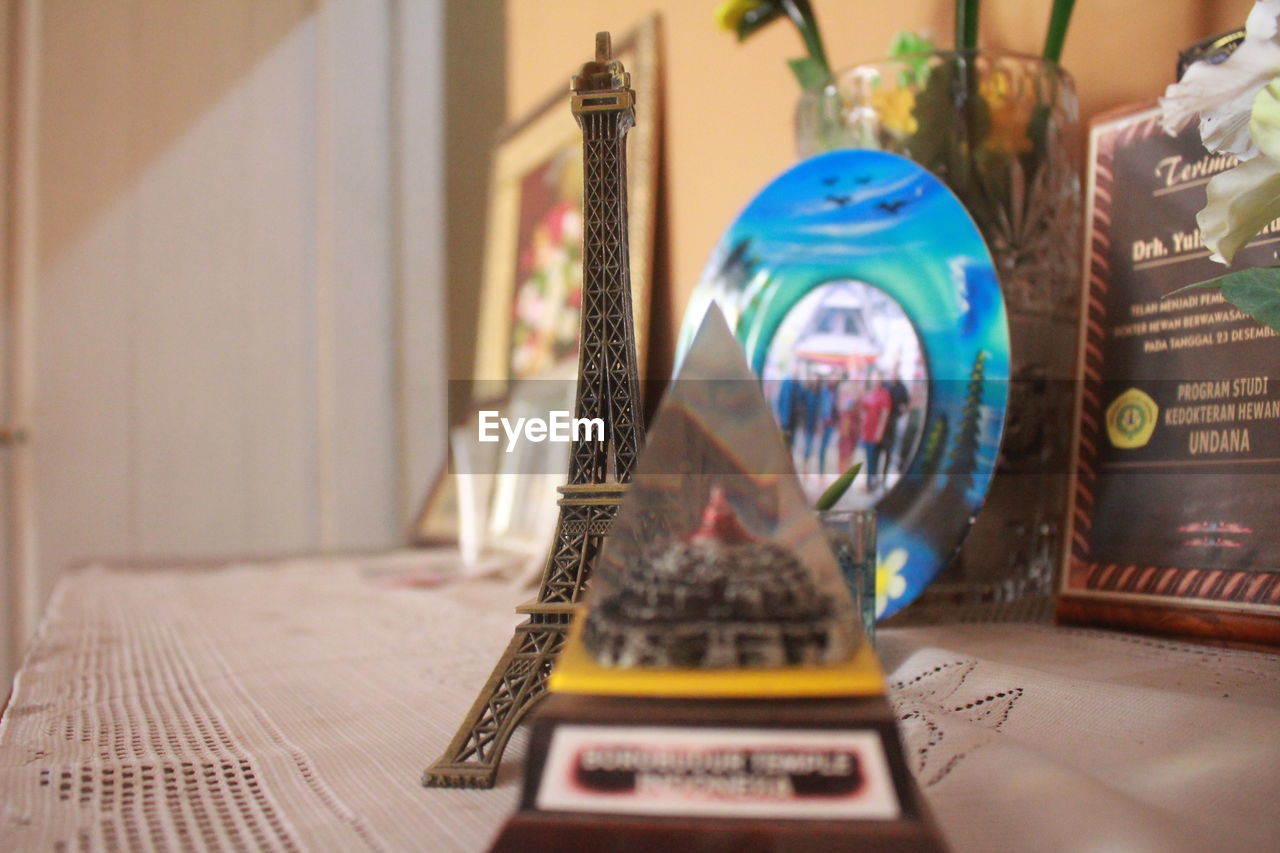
[728,110]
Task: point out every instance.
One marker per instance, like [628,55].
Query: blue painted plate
[867,303]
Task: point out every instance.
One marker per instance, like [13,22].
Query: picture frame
[535,196]
[455,510]
[522,507]
[437,521]
[1174,484]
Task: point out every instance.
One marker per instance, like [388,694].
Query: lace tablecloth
[292,706]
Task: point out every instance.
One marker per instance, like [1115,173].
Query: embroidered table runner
[292,705]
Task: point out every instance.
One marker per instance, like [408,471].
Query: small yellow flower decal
[1010,116]
[890,584]
[896,109]
[730,13]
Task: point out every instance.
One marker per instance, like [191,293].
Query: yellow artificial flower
[1009,114]
[730,13]
[896,109]
[890,584]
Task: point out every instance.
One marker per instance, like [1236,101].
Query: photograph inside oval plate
[868,305]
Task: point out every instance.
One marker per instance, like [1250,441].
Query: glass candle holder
[852,534]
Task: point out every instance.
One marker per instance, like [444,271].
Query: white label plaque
[718,772]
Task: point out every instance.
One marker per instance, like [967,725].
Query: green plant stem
[801,14]
[836,490]
[966,24]
[1059,18]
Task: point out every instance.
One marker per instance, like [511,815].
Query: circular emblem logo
[1131,419]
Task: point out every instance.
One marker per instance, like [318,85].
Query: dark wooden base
[532,832]
[1249,630]
[533,829]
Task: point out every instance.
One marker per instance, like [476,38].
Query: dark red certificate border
[1164,599]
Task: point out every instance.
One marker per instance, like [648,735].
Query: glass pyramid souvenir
[715,560]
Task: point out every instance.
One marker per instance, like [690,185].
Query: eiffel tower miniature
[608,388]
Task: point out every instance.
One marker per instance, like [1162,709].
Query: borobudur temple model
[719,599]
[716,561]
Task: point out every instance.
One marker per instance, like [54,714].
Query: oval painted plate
[867,303]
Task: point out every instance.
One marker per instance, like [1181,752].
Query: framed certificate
[1175,497]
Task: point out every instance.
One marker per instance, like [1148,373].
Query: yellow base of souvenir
[577,672]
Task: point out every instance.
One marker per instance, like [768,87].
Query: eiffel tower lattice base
[520,677]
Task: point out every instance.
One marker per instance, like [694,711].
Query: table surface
[292,706]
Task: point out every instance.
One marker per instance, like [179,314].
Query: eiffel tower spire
[608,388]
[608,383]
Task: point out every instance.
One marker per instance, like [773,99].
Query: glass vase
[1001,130]
[852,534]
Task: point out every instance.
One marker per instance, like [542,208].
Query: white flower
[1223,94]
[890,584]
[1240,202]
[1264,122]
[1238,101]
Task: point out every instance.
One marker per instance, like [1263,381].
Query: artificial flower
[1240,202]
[1223,94]
[914,51]
[1239,105]
[1010,116]
[730,13]
[1244,199]
[896,109]
[1239,102]
[745,17]
[890,584]
[1264,121]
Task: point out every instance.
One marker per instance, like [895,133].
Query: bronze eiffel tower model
[608,388]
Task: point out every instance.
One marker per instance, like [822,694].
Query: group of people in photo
[846,377]
[832,420]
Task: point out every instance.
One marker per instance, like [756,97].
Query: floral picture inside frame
[548,273]
[532,288]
